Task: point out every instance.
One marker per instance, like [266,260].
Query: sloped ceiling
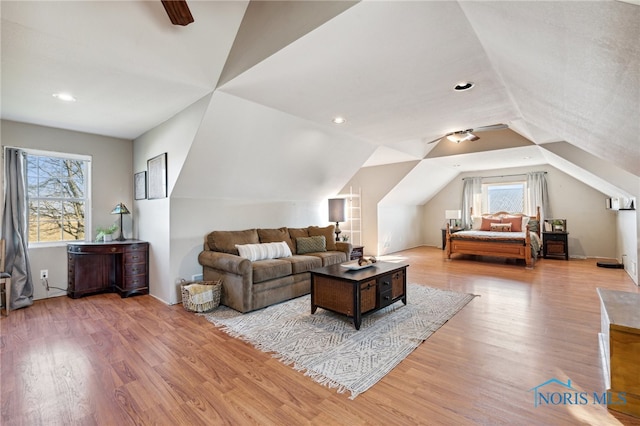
[552,71]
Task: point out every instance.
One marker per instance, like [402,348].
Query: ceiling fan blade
[492,127]
[178,12]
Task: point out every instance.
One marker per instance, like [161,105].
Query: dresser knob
[113,249]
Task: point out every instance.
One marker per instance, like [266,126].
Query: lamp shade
[452,214]
[336,209]
[120,209]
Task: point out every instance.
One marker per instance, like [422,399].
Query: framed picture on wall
[157,175]
[140,186]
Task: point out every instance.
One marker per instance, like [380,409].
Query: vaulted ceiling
[553,71]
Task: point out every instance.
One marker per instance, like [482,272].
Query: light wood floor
[111,361]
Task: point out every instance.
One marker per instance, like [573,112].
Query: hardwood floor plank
[105,360]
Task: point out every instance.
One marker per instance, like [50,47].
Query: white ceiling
[554,71]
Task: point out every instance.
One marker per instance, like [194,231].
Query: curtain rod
[501,176]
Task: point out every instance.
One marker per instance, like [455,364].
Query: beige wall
[112,183]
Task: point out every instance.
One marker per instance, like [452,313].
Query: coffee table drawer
[368,296]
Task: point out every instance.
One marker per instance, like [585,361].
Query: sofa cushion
[225,241]
[276,235]
[327,232]
[330,257]
[297,233]
[268,269]
[262,251]
[310,244]
[304,263]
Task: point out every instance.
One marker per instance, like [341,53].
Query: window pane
[57,191]
[508,197]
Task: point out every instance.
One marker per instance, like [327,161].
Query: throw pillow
[295,233]
[327,232]
[310,244]
[486,223]
[276,235]
[225,241]
[501,227]
[514,221]
[263,251]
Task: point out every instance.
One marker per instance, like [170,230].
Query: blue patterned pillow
[311,244]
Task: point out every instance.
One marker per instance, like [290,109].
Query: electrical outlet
[44,274]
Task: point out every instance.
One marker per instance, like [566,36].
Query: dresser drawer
[135,257]
[135,282]
[135,269]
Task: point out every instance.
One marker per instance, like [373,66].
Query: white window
[58,196]
[503,196]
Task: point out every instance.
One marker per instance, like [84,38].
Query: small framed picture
[140,186]
[157,175]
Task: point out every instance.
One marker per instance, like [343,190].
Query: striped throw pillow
[263,251]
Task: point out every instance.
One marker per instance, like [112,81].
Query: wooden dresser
[620,346]
[120,266]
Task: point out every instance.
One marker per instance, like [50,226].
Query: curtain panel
[15,228]
[471,199]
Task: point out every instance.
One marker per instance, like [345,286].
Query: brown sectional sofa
[247,284]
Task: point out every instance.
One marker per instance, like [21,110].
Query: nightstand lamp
[453,216]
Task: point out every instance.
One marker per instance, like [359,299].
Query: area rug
[327,347]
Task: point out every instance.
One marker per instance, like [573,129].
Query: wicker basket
[205,298]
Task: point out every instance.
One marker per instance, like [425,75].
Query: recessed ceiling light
[64,97]
[463,85]
[339,120]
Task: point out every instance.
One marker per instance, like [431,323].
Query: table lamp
[120,209]
[336,213]
[452,216]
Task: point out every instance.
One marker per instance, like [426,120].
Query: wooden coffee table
[357,292]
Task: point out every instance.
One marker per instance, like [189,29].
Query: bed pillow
[501,227]
[314,244]
[263,251]
[514,221]
[486,223]
[476,222]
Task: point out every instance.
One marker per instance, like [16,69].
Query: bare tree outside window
[57,194]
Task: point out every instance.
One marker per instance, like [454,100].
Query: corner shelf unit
[353,224]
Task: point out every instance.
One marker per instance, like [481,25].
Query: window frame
[87,198]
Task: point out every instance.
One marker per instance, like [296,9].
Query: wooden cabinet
[120,266]
[620,347]
[555,244]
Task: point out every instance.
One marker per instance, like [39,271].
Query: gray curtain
[471,189]
[14,229]
[538,195]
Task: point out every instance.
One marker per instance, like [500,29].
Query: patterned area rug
[329,349]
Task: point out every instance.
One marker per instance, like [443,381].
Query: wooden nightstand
[444,235]
[555,244]
[357,252]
